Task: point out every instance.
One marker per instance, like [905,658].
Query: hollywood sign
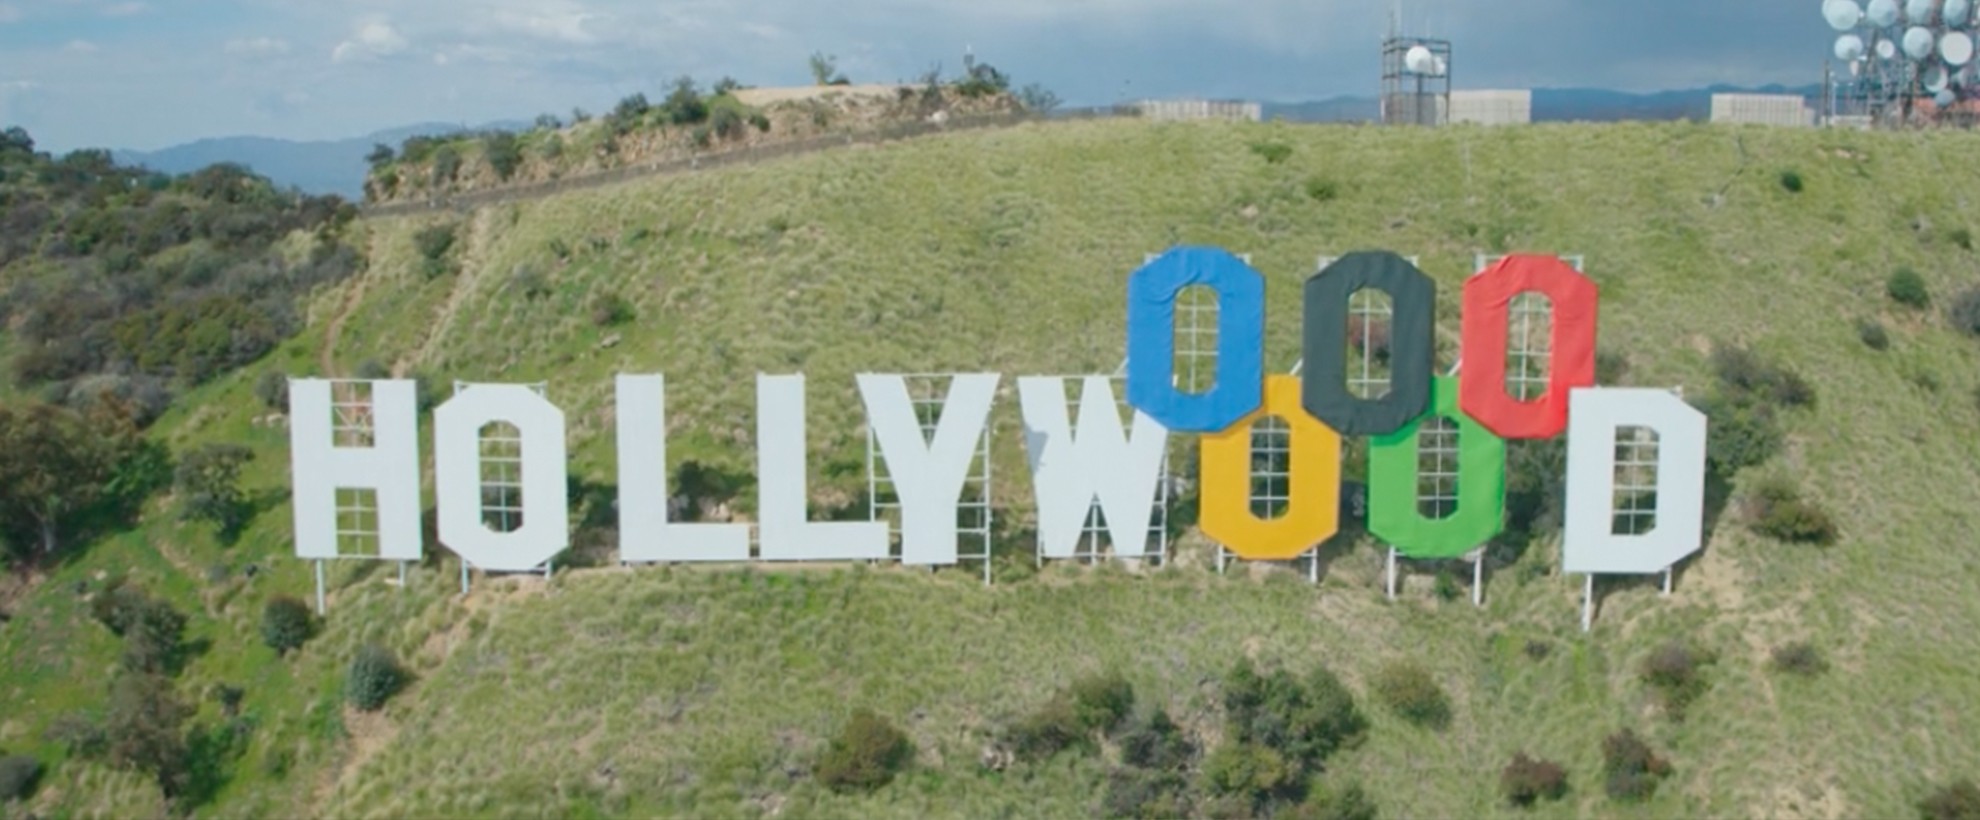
[1078,462]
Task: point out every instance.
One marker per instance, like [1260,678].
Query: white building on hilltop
[1202,110]
[1763,109]
[1505,107]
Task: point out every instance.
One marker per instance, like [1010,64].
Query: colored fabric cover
[1481,485]
[1413,301]
[1151,345]
[1488,299]
[1313,482]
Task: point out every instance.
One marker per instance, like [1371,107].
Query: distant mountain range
[315,166]
[338,166]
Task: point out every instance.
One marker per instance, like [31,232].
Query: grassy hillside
[709,691]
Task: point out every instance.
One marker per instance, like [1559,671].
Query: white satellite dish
[1918,42]
[1842,15]
[1918,12]
[1882,13]
[1419,60]
[1957,48]
[1848,48]
[1437,67]
[1955,12]
[1935,79]
[1943,98]
[1886,49]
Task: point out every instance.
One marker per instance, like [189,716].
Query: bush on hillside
[1959,800]
[374,677]
[1873,334]
[144,729]
[433,242]
[1156,742]
[18,776]
[1525,781]
[1676,673]
[1272,152]
[1743,374]
[865,755]
[1743,434]
[1965,312]
[1071,716]
[273,390]
[1307,720]
[1631,768]
[1907,288]
[207,483]
[1253,773]
[446,165]
[1349,802]
[1799,658]
[1791,181]
[1778,511]
[610,309]
[503,153]
[1962,237]
[1146,794]
[1322,190]
[1409,691]
[286,624]
[151,628]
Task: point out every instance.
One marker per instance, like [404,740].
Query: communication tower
[1907,62]
[1416,80]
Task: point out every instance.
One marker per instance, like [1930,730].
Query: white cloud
[562,25]
[258,46]
[374,39]
[80,47]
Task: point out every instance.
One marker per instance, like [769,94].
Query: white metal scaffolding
[929,392]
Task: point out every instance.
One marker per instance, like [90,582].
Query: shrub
[433,242]
[1306,720]
[207,483]
[1800,658]
[143,730]
[1965,312]
[374,677]
[1791,181]
[503,153]
[1101,701]
[1873,335]
[1632,769]
[1350,802]
[1146,795]
[1251,771]
[1745,375]
[151,628]
[1155,742]
[761,123]
[1674,672]
[18,776]
[727,123]
[1408,690]
[1322,190]
[1779,512]
[1526,780]
[865,755]
[610,309]
[446,165]
[286,624]
[1744,434]
[1962,237]
[701,136]
[1957,801]
[1907,288]
[372,369]
[273,390]
[1272,152]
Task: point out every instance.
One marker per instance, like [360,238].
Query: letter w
[1070,471]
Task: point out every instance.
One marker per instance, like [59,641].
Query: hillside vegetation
[1813,661]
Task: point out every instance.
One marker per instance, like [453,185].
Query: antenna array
[1908,61]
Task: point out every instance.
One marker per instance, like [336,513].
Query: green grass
[702,691]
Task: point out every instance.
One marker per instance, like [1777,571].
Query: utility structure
[1416,80]
[1903,62]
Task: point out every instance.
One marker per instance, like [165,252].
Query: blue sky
[145,74]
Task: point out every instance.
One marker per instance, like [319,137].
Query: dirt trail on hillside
[326,359]
[474,248]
